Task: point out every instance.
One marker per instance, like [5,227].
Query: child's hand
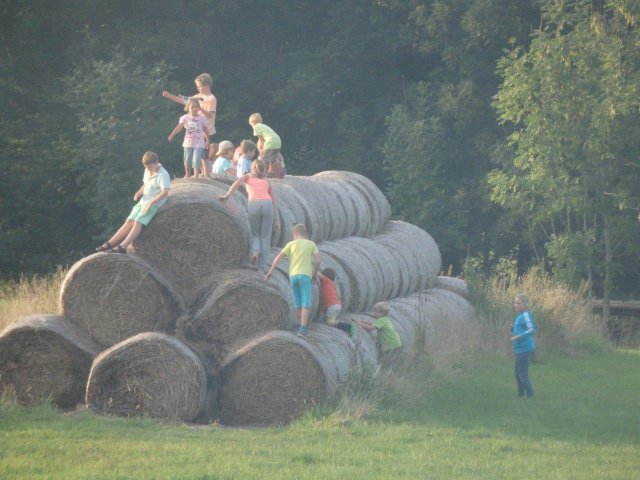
[170,138]
[145,209]
[165,94]
[223,197]
[136,196]
[267,276]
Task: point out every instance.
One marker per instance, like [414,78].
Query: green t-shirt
[387,335]
[301,253]
[271,138]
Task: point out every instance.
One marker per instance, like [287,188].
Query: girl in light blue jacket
[524,329]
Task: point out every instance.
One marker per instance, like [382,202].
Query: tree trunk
[608,261]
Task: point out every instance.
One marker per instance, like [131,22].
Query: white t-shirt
[154,184]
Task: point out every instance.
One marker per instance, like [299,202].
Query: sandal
[104,247]
[118,249]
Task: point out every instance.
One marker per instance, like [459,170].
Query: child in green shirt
[388,338]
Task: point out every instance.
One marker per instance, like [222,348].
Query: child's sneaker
[303,331]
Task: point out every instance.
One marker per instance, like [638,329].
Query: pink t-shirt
[193,131]
[257,188]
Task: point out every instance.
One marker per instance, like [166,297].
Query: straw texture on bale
[422,245]
[193,235]
[275,378]
[456,285]
[43,357]
[149,374]
[321,227]
[237,306]
[379,207]
[291,208]
[113,297]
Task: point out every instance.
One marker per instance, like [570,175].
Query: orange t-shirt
[329,293]
[257,188]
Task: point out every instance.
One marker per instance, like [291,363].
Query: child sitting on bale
[152,195]
[330,300]
[388,338]
[304,260]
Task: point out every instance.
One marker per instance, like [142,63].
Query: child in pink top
[196,137]
[261,209]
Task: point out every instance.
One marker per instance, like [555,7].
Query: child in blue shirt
[522,341]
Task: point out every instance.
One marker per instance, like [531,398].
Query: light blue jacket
[524,328]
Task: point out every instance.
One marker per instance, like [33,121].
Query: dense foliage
[501,127]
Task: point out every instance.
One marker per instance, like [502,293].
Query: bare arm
[316,265]
[273,265]
[139,193]
[163,193]
[364,324]
[175,131]
[237,184]
[175,98]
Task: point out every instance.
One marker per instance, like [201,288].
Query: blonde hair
[149,158]
[205,79]
[524,299]
[189,102]
[300,229]
[382,308]
[255,118]
[258,168]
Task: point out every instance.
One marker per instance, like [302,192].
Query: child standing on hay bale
[247,152]
[151,195]
[196,137]
[208,105]
[222,165]
[330,300]
[388,338]
[304,260]
[261,208]
[269,145]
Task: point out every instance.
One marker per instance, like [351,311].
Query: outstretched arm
[276,260]
[176,98]
[237,184]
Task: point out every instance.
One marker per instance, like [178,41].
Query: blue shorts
[301,286]
[137,216]
[192,157]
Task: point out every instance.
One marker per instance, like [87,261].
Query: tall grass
[35,294]
[565,324]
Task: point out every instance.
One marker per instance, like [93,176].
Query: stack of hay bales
[189,332]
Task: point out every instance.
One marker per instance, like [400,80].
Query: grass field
[583,423]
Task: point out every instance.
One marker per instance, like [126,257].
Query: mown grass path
[583,423]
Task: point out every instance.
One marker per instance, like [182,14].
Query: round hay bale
[43,357]
[407,279]
[193,235]
[379,207]
[387,270]
[275,378]
[148,374]
[318,201]
[113,297]
[292,208]
[422,245]
[453,284]
[338,197]
[239,305]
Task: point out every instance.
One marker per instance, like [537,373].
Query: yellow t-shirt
[301,253]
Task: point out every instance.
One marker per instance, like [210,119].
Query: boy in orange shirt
[330,300]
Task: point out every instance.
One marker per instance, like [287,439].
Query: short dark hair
[329,273]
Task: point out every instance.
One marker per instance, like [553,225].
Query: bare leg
[121,234]
[205,168]
[304,316]
[134,233]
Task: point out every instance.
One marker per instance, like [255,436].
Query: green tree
[573,98]
[120,115]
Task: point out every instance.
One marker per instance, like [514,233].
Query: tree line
[504,129]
